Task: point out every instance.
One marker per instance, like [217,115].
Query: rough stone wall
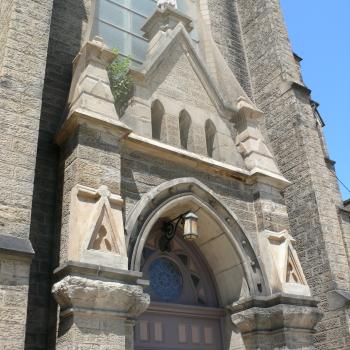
[68,26]
[13,301]
[292,131]
[344,217]
[6,8]
[22,69]
[226,32]
[21,83]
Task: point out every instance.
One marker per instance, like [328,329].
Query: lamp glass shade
[190,227]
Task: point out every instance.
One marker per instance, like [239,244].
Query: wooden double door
[171,327]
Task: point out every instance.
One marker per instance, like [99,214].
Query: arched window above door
[180,276]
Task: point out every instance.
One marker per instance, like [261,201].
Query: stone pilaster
[98,307]
[98,298]
[91,139]
[277,322]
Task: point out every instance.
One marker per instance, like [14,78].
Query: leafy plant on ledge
[121,82]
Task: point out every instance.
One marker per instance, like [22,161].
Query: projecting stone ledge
[276,322]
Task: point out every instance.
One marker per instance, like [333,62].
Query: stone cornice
[150,146]
[160,149]
[82,117]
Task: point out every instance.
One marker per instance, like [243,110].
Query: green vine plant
[121,82]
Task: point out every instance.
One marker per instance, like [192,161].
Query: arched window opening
[157,116]
[210,137]
[184,126]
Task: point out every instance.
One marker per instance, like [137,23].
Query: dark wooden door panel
[191,330]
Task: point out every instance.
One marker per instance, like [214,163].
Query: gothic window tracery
[178,276]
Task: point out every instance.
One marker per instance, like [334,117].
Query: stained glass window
[165,280]
[119,23]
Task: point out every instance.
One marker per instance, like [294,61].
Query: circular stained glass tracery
[165,280]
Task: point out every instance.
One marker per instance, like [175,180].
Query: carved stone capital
[74,293]
[276,322]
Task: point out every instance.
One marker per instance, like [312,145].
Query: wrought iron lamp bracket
[169,229]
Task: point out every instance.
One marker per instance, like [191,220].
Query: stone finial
[164,3]
[90,92]
[165,19]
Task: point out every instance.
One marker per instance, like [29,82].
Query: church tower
[166,183]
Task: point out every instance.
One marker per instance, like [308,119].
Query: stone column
[277,322]
[98,307]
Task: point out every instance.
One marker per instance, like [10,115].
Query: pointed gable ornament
[283,262]
[96,228]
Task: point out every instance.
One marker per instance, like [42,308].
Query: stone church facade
[204,214]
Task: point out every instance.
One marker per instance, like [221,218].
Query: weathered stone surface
[38,178]
[276,322]
[98,313]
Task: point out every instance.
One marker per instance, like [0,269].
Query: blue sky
[320,33]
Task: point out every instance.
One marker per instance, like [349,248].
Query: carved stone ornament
[78,294]
[96,229]
[275,322]
[163,3]
[283,265]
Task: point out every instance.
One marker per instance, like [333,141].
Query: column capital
[120,297]
[276,321]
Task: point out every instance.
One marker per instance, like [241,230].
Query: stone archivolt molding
[96,228]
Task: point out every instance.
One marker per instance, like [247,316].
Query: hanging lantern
[190,221]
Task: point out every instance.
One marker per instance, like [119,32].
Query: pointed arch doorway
[223,251]
[184,312]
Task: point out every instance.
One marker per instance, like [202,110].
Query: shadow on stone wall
[68,18]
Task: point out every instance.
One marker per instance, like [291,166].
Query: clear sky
[320,33]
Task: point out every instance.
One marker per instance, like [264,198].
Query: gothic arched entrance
[223,252]
[184,312]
